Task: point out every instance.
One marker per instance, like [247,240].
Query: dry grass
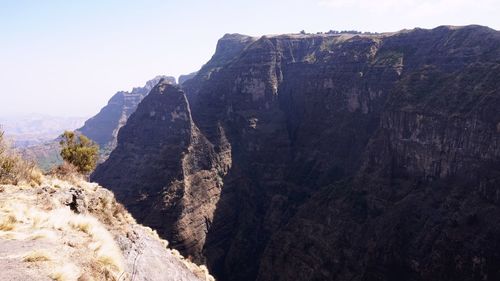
[23,220]
[31,214]
[42,234]
[37,256]
[8,223]
[108,256]
[199,271]
[66,272]
[67,172]
[14,169]
[110,263]
[81,225]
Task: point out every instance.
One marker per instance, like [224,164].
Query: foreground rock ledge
[75,230]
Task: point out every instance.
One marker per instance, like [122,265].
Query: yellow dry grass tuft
[66,272]
[8,223]
[37,256]
[109,262]
[81,225]
[108,256]
[42,234]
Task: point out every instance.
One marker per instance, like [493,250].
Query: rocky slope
[325,157]
[74,230]
[104,126]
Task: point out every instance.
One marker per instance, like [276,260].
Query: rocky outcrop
[325,157]
[103,127]
[183,78]
[74,230]
[229,47]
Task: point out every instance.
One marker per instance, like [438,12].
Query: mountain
[32,129]
[104,126]
[325,157]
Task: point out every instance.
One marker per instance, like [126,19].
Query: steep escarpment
[422,205]
[170,165]
[229,47]
[334,157]
[103,127]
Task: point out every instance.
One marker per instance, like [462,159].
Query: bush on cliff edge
[79,151]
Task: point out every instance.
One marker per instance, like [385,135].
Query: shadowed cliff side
[171,177]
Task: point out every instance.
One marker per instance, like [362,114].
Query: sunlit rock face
[325,157]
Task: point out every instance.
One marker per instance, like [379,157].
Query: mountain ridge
[317,157]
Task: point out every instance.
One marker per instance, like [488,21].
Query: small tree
[79,151]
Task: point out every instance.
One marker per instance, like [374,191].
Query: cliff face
[169,164]
[103,128]
[325,157]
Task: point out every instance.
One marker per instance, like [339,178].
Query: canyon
[323,157]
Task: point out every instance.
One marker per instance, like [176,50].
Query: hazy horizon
[68,59]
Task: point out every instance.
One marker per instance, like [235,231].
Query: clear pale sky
[69,57]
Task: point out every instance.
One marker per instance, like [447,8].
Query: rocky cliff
[183,78]
[325,157]
[104,126]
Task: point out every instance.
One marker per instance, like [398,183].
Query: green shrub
[79,151]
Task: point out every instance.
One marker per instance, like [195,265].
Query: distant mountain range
[31,129]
